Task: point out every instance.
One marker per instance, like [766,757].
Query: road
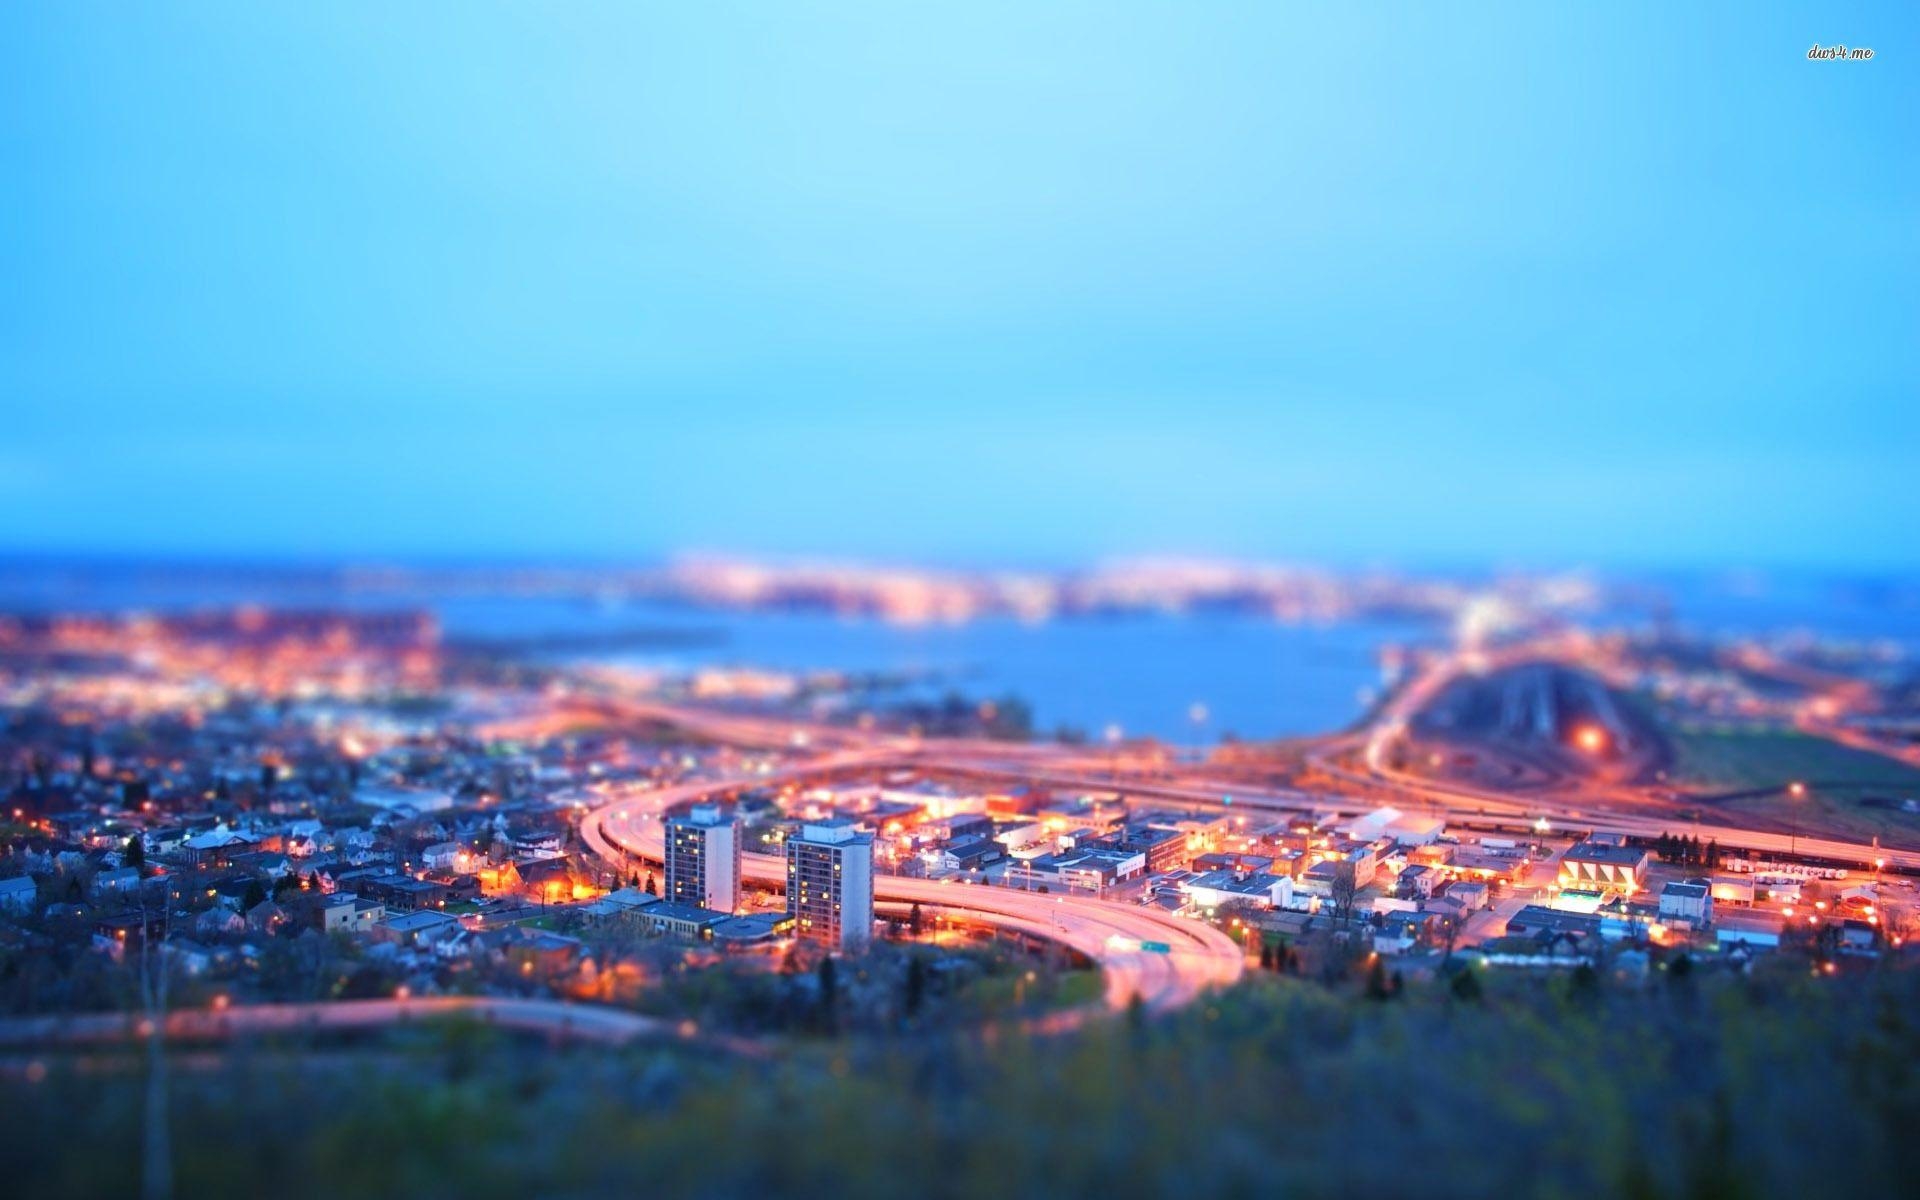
[1201,957]
[554,1018]
[1105,932]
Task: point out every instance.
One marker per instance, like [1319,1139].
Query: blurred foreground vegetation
[1693,1085]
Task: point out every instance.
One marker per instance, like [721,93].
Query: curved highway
[1199,956]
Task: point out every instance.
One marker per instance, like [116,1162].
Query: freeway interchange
[1147,955]
[1198,956]
[628,828]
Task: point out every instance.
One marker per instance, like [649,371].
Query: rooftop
[1606,855]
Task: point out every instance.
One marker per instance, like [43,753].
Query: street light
[1797,791]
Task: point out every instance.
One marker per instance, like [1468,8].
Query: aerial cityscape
[846,601]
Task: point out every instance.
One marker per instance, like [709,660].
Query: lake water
[1143,673]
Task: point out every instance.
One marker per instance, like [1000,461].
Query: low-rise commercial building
[1604,865]
[1687,905]
[1219,888]
[687,922]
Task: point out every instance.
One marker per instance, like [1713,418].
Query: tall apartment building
[703,859]
[830,884]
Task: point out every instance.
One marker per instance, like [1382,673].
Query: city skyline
[988,287]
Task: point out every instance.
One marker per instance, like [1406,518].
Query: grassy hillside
[1848,790]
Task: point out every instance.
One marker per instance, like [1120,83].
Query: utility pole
[156,1175]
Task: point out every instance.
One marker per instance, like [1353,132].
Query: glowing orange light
[1591,738]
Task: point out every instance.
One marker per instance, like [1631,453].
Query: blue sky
[1620,284]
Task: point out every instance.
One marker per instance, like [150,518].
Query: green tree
[829,997]
[916,987]
[1377,981]
[1345,886]
[1584,984]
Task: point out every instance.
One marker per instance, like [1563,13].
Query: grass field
[1749,771]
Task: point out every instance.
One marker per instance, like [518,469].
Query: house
[460,943]
[1859,937]
[1751,930]
[1364,857]
[267,864]
[460,888]
[552,880]
[542,952]
[1471,894]
[19,894]
[422,928]
[344,912]
[354,845]
[231,892]
[441,856]
[1400,932]
[117,882]
[504,879]
[164,839]
[191,958]
[215,848]
[218,920]
[1687,905]
[1417,882]
[538,844]
[405,892]
[116,932]
[266,917]
[1321,878]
